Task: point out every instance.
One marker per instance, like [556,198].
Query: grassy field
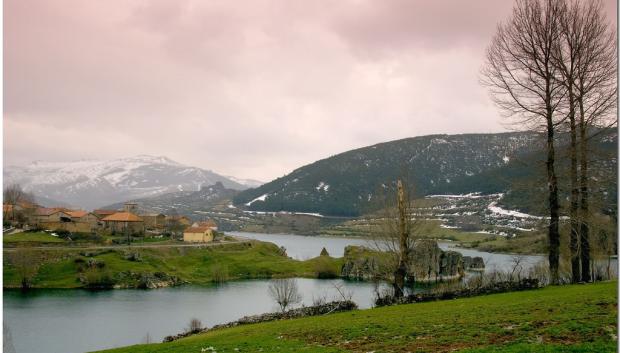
[63,268]
[575,318]
[35,237]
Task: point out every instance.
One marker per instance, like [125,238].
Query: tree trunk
[552,183]
[584,202]
[574,191]
[401,271]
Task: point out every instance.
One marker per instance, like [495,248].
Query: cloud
[251,89]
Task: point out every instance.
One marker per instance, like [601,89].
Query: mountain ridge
[350,183]
[93,183]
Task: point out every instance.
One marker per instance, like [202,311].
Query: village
[127,223]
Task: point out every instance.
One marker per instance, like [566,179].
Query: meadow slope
[572,318]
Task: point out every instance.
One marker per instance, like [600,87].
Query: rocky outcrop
[473,263]
[145,280]
[359,263]
[428,263]
[306,311]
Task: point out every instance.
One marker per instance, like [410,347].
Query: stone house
[198,235]
[61,219]
[124,222]
[182,220]
[154,220]
[87,220]
[44,215]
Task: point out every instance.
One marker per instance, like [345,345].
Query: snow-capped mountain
[94,183]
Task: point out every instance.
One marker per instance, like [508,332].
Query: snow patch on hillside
[504,212]
[260,198]
[322,186]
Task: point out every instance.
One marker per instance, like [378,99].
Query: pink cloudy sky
[252,89]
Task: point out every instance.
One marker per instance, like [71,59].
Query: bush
[63,233]
[94,263]
[194,326]
[324,269]
[219,273]
[96,279]
[133,256]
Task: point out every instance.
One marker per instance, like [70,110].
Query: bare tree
[596,99]
[174,225]
[147,339]
[14,196]
[585,56]
[285,292]
[395,239]
[26,264]
[522,80]
[517,267]
[194,326]
[565,57]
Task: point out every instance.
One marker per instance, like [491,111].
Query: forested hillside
[354,182]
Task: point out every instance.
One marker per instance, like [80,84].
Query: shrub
[219,273]
[194,326]
[323,269]
[96,279]
[63,233]
[133,256]
[94,263]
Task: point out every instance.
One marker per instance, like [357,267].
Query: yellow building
[198,235]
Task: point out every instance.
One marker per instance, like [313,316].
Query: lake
[305,247]
[72,321]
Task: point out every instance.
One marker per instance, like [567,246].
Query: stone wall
[306,311]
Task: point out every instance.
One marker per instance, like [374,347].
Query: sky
[252,89]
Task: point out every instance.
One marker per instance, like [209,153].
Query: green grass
[35,237]
[194,265]
[575,318]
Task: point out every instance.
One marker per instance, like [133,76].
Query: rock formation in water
[428,263]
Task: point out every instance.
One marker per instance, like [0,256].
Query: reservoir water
[73,321]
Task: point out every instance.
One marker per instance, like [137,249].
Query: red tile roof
[197,229]
[122,217]
[44,211]
[77,214]
[209,223]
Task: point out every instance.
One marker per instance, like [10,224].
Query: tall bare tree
[15,196]
[597,88]
[565,57]
[585,56]
[522,80]
[395,238]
